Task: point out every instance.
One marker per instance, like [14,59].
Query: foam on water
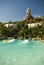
[24,42]
[8,41]
[31,53]
[11,40]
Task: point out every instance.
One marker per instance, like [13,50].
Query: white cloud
[36,16]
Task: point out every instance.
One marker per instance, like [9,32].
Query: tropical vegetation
[22,30]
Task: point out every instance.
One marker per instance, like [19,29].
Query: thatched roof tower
[28,15]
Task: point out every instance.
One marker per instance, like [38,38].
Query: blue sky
[13,10]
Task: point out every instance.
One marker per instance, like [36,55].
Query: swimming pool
[21,52]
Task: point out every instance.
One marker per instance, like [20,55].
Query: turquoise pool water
[21,52]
